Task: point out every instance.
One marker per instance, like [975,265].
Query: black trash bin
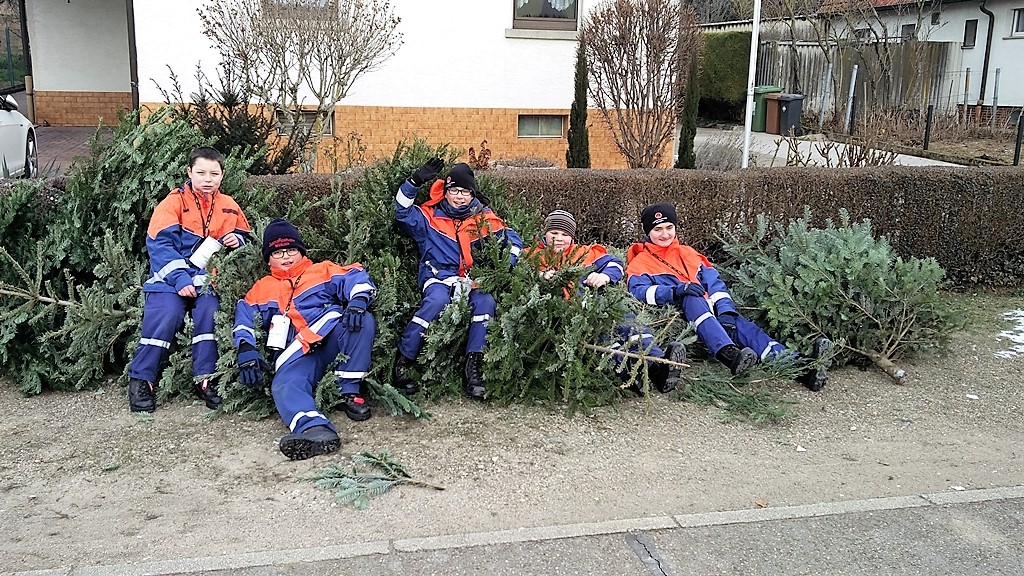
[790,109]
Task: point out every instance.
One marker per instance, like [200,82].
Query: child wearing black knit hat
[662,270]
[315,312]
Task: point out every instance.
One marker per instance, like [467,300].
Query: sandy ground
[84,482]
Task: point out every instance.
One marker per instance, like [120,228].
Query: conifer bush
[839,281]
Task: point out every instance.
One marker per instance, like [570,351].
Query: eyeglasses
[454,191]
[283,252]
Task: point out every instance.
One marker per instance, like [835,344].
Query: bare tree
[286,50]
[639,52]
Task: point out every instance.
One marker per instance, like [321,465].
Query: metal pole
[10,58]
[824,95]
[853,114]
[995,101]
[928,126]
[849,101]
[749,120]
[1020,134]
[967,91]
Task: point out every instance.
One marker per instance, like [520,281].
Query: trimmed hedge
[969,219]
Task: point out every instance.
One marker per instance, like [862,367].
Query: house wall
[461,76]
[79,61]
[1007,50]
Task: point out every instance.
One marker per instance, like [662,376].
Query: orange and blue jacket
[593,256]
[446,244]
[653,273]
[312,296]
[179,224]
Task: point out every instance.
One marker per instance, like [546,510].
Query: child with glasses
[187,227]
[314,312]
[447,229]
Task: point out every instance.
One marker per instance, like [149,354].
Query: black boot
[310,442]
[475,375]
[400,375]
[676,352]
[738,361]
[356,407]
[141,396]
[816,378]
[207,392]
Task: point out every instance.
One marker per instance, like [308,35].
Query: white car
[18,153]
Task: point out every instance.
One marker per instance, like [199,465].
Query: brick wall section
[80,108]
[379,129]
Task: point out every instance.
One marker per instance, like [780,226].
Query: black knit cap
[657,214]
[460,176]
[279,234]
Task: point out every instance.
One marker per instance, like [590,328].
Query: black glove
[427,172]
[353,316]
[688,289]
[728,322]
[251,366]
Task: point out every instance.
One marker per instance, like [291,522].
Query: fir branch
[372,474]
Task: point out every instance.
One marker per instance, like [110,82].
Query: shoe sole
[304,448]
[138,409]
[358,417]
[746,361]
[676,353]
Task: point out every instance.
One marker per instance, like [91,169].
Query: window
[1018,22]
[541,126]
[306,118]
[970,33]
[544,14]
[908,32]
[936,18]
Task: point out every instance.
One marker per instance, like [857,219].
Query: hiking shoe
[816,378]
[401,378]
[207,392]
[676,352]
[310,442]
[738,360]
[355,407]
[474,383]
[141,397]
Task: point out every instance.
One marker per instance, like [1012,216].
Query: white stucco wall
[79,46]
[455,54]
[1007,51]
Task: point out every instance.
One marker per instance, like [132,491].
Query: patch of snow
[1014,335]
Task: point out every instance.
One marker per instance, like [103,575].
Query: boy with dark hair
[604,269]
[314,311]
[186,228]
[448,228]
[663,270]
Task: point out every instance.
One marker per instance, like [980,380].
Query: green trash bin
[760,107]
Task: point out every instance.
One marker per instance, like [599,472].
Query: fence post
[995,101]
[928,126]
[849,101]
[967,92]
[1020,133]
[824,95]
[10,57]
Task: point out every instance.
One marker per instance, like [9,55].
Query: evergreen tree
[686,157]
[578,154]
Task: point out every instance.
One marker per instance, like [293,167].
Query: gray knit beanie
[561,220]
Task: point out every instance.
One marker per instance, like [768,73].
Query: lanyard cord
[209,216]
[295,286]
[685,274]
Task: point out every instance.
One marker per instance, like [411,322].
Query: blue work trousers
[294,382]
[435,298]
[162,318]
